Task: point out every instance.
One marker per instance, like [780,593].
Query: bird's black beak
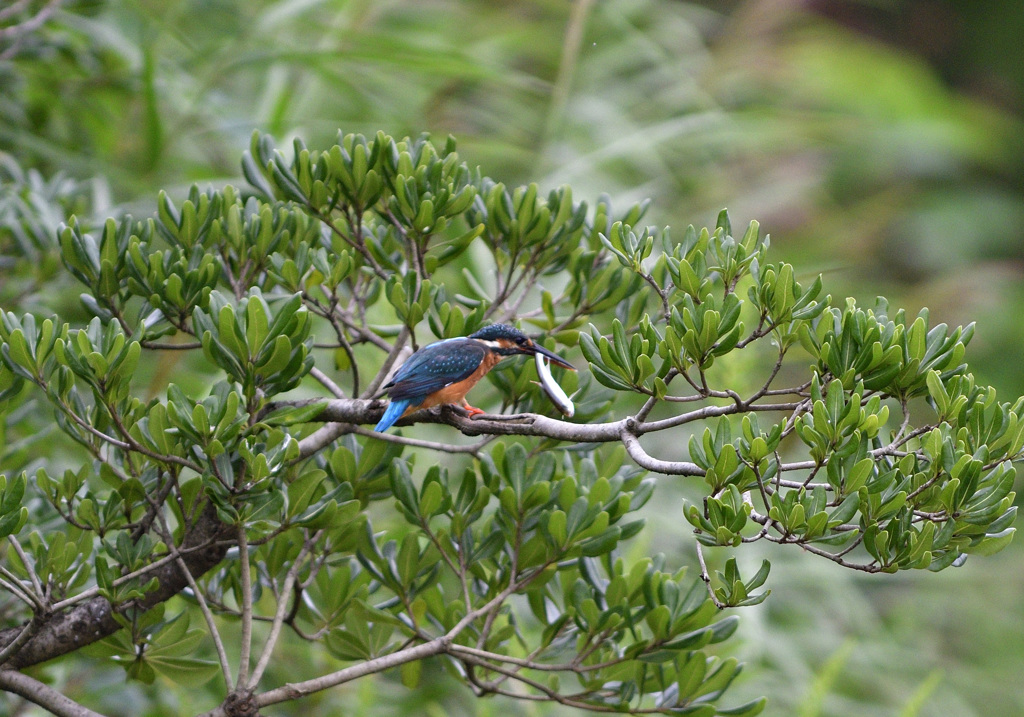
[535,348]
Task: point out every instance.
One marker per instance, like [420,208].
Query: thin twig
[211,625]
[246,579]
[282,610]
[13,585]
[531,664]
[27,631]
[472,449]
[438,645]
[36,584]
[93,591]
[41,694]
[385,368]
[327,383]
[706,577]
[31,24]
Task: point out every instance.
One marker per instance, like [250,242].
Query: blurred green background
[880,142]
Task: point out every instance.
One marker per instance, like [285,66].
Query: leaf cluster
[502,557]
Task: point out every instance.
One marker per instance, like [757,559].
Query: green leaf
[992,544]
[402,487]
[302,489]
[557,527]
[12,523]
[430,499]
[186,671]
[749,709]
[408,559]
[411,672]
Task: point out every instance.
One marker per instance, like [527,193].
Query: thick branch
[363,411]
[92,620]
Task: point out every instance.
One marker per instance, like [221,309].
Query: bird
[444,371]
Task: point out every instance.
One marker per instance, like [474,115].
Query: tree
[243,497]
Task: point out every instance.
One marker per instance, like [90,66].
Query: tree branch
[644,460]
[282,610]
[43,695]
[211,625]
[246,589]
[29,629]
[326,381]
[92,619]
[706,577]
[389,363]
[364,411]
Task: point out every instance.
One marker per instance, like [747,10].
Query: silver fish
[558,397]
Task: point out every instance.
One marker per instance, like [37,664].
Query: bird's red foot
[472,410]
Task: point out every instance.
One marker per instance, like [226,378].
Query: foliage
[31,209]
[258,501]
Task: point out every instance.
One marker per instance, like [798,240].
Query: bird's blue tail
[392,414]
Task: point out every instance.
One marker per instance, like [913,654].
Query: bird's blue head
[508,341]
[498,332]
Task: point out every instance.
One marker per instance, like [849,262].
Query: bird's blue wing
[435,366]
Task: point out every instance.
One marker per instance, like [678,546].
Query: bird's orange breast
[455,392]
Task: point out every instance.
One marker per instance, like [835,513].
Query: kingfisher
[444,371]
